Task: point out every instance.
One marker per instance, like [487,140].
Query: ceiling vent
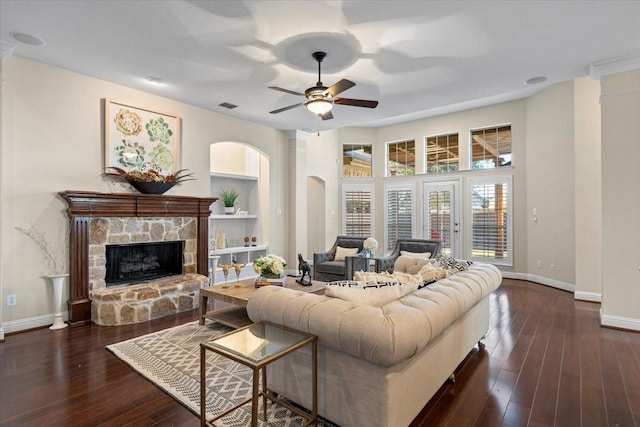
[227,106]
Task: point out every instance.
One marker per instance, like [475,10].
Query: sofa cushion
[342,253]
[411,265]
[426,255]
[384,276]
[430,273]
[375,293]
[331,267]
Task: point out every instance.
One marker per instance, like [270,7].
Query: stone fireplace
[100,220]
[111,233]
[137,262]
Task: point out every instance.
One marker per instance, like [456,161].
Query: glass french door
[442,215]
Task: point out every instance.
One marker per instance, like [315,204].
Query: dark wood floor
[546,362]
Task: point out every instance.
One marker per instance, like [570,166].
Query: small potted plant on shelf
[229,197]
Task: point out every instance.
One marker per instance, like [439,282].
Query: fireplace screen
[139,262]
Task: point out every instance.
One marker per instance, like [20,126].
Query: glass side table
[256,346]
[360,262]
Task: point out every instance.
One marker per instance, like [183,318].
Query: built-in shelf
[234,176]
[241,254]
[237,249]
[232,217]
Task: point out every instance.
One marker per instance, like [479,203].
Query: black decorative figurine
[305,268]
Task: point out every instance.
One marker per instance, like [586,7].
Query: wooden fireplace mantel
[83,205]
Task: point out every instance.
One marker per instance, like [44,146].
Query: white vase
[213,267]
[229,210]
[221,240]
[58,282]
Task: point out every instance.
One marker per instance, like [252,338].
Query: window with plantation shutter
[491,214]
[357,202]
[399,214]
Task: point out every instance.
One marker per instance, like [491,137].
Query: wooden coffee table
[236,314]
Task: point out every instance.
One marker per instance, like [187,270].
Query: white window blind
[491,213]
[399,214]
[439,219]
[358,210]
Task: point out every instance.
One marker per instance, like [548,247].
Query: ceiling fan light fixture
[319,106]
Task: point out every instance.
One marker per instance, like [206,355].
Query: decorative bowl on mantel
[151,187]
[149,181]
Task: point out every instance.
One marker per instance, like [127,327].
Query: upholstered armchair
[327,268]
[385,263]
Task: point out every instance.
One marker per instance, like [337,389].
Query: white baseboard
[542,280]
[587,296]
[30,323]
[619,322]
[578,295]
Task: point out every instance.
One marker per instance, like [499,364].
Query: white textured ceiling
[418,58]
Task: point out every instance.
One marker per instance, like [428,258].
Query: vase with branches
[55,256]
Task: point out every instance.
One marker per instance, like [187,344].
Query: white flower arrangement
[370,243]
[269,265]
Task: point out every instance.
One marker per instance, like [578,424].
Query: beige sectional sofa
[379,366]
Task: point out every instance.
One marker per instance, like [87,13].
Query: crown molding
[614,66]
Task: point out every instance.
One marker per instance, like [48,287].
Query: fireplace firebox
[139,262]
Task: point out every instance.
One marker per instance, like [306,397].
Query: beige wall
[620,102]
[588,189]
[324,160]
[52,141]
[550,184]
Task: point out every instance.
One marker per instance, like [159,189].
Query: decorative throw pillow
[450,263]
[396,276]
[375,294]
[416,254]
[409,265]
[342,253]
[430,273]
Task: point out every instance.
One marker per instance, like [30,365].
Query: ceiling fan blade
[356,102]
[341,86]
[286,90]
[327,116]
[280,110]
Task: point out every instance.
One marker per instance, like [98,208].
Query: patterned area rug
[171,360]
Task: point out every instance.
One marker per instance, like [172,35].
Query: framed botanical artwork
[139,138]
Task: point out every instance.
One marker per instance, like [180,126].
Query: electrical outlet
[553,267]
[539,264]
[11,300]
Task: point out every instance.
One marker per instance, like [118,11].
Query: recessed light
[28,39]
[155,80]
[536,80]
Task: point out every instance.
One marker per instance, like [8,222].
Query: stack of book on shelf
[263,281]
